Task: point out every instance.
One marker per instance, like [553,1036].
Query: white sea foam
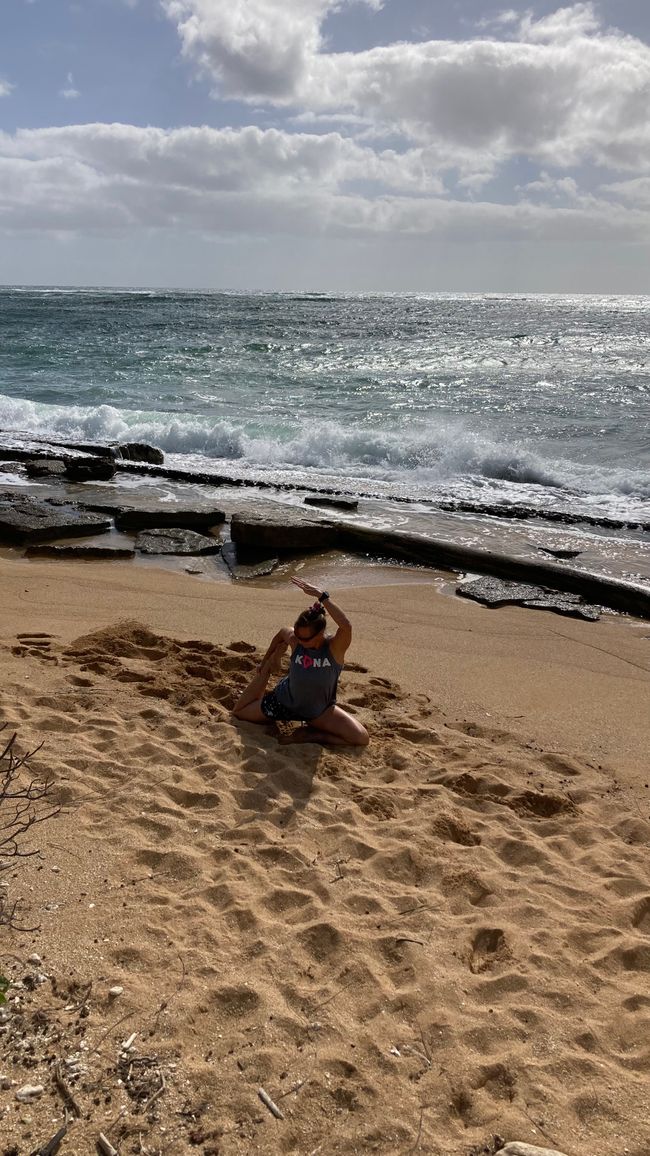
[436,453]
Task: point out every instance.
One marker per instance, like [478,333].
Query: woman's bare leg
[335,728]
[258,684]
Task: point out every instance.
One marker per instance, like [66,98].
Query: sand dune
[419,947]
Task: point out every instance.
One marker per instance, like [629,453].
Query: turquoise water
[540,399]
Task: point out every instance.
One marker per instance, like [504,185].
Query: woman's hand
[307,587]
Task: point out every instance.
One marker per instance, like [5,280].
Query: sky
[359,145]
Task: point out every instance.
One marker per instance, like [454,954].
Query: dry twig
[268,1102]
[66,1094]
[51,1147]
[105,1145]
[24,804]
[157,1093]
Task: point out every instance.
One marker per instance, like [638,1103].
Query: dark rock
[195,477]
[44,467]
[140,452]
[565,517]
[564,604]
[91,448]
[497,592]
[336,503]
[31,445]
[245,563]
[80,551]
[27,520]
[285,531]
[168,517]
[90,469]
[175,541]
[567,554]
[109,509]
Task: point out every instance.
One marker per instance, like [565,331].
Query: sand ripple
[438,939]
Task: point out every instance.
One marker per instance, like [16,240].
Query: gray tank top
[310,686]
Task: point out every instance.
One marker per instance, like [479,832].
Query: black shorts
[273,709]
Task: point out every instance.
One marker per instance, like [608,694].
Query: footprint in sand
[79,680]
[36,645]
[453,830]
[237,1000]
[489,948]
[498,1081]
[641,916]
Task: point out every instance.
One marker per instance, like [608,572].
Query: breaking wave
[437,453]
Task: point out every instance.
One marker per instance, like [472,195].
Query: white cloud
[254,48]
[6,87]
[556,187]
[563,89]
[122,178]
[635,192]
[570,23]
[117,176]
[70,92]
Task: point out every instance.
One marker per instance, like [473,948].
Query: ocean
[482,401]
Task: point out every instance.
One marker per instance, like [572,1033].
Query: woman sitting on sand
[308,693]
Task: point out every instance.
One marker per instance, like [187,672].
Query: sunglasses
[308,637]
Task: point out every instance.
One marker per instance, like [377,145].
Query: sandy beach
[430,945]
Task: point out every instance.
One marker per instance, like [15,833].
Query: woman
[308,693]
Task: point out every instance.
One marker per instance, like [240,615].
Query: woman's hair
[313,619]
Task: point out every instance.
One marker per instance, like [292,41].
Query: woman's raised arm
[343,636]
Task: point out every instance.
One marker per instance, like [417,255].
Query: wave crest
[439,453]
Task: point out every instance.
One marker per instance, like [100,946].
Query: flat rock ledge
[246,564]
[288,531]
[171,518]
[90,470]
[26,520]
[335,503]
[80,550]
[495,592]
[175,540]
[515,1148]
[22,445]
[45,467]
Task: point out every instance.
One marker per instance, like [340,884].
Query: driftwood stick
[293,1088]
[52,1146]
[108,1031]
[268,1102]
[331,997]
[105,1146]
[414,1052]
[424,1043]
[64,1091]
[157,1093]
[417,1138]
